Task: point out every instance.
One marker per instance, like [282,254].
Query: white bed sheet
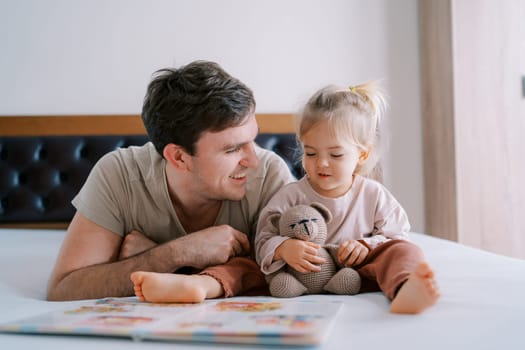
[482,304]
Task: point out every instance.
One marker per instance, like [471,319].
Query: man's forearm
[113,279]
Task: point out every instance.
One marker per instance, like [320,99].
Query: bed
[481,307]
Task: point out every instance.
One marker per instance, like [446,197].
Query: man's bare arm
[87,265]
[134,243]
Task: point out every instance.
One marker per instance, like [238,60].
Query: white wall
[97,56]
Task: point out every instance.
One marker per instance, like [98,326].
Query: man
[189,198]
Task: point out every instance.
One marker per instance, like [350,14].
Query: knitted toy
[308,223]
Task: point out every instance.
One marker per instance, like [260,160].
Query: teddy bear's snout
[305,229]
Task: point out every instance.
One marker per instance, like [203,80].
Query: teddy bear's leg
[284,285]
[345,282]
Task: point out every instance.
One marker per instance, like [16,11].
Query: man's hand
[133,244]
[300,255]
[351,253]
[213,246]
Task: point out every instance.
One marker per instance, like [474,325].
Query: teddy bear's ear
[326,214]
[274,220]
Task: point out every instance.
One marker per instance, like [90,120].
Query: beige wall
[96,57]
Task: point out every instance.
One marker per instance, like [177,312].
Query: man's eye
[292,226]
[233,150]
[313,219]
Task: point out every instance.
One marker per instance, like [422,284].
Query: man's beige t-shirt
[127,190]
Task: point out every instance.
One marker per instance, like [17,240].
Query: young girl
[338,130]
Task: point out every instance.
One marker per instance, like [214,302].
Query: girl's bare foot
[418,293]
[173,288]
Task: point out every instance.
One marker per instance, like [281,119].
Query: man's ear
[176,156]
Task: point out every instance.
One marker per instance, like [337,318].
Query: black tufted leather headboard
[39,175]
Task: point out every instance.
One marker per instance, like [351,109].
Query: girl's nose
[322,162]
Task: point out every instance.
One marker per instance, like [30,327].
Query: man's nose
[250,159]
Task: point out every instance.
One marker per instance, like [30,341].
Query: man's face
[222,159]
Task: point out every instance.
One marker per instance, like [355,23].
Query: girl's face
[329,165]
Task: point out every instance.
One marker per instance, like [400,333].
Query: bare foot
[172,288]
[417,293]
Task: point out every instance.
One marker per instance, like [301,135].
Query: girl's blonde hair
[353,114]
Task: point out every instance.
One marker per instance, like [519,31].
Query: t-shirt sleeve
[100,198]
[267,241]
[268,237]
[276,175]
[391,220]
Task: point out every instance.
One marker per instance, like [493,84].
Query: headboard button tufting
[39,176]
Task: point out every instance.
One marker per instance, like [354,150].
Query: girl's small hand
[351,253]
[300,255]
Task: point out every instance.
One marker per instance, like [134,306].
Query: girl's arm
[267,239]
[391,221]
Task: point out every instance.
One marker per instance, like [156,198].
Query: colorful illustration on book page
[97,309]
[116,320]
[115,316]
[288,321]
[247,306]
[122,305]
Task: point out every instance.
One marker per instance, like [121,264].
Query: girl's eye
[337,155]
[309,154]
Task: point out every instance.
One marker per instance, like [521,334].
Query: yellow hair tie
[352,88]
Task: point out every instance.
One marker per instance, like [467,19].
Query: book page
[251,320]
[248,320]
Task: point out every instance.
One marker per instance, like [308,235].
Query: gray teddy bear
[308,223]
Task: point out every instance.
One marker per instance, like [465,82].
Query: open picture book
[260,320]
